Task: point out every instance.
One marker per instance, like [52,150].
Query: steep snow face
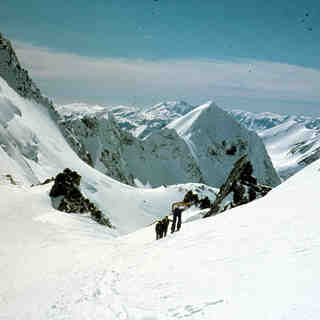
[257,261]
[167,160]
[142,123]
[216,141]
[291,141]
[291,146]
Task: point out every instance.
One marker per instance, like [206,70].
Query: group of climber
[162,226]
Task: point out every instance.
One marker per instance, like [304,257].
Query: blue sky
[253,55]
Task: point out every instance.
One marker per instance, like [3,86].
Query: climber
[159,230]
[165,225]
[177,209]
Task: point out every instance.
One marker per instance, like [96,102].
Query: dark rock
[67,197]
[241,184]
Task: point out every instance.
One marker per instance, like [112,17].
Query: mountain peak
[217,140]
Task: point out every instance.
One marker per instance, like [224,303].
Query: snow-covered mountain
[37,142]
[202,148]
[259,260]
[216,140]
[142,122]
[291,141]
[162,158]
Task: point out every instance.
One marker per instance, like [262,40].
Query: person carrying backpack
[177,209]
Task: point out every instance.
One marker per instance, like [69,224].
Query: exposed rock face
[241,185]
[17,77]
[99,141]
[67,197]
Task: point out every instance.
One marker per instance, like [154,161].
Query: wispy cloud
[69,77]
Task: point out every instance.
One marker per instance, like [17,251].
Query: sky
[253,55]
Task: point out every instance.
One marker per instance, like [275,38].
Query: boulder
[67,197]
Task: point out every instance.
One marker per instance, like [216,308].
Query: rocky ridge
[240,185]
[17,77]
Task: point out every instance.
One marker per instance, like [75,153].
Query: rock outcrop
[18,78]
[67,197]
[241,184]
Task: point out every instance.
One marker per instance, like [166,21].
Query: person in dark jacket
[159,230]
[177,209]
[176,219]
[165,225]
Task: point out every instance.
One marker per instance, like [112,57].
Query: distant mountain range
[143,122]
[291,141]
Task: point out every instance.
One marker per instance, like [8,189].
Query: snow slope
[33,149]
[290,145]
[257,261]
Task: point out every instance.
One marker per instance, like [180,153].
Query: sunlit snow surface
[258,261]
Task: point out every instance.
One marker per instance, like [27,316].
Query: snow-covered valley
[259,260]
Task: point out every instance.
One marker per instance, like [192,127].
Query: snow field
[258,261]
